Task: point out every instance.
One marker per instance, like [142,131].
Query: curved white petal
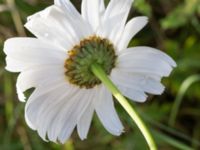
[138,82]
[22,53]
[145,60]
[91,12]
[84,122]
[68,7]
[58,27]
[36,76]
[59,111]
[115,35]
[139,71]
[148,50]
[52,25]
[51,110]
[130,30]
[72,112]
[51,106]
[116,7]
[132,93]
[14,65]
[129,87]
[113,21]
[38,98]
[102,7]
[106,112]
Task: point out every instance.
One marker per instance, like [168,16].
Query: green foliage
[174,27]
[143,7]
[181,15]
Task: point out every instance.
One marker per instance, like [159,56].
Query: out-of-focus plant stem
[184,87]
[16,17]
[171,141]
[3,8]
[8,97]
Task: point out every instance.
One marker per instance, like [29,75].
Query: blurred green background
[174,117]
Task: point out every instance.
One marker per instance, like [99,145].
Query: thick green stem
[98,71]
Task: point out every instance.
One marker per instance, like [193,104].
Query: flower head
[57,64]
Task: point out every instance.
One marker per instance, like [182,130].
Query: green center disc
[81,57]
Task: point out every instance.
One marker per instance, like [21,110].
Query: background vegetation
[174,117]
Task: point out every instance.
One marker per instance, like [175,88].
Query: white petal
[116,7]
[50,110]
[34,77]
[38,97]
[84,122]
[139,82]
[110,27]
[106,112]
[92,11]
[64,32]
[115,35]
[102,7]
[68,7]
[131,29]
[58,111]
[149,50]
[26,52]
[72,112]
[59,33]
[14,65]
[132,93]
[114,19]
[145,60]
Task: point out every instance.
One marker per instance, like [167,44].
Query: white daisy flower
[57,64]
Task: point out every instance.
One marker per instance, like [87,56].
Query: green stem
[98,71]
[184,87]
[171,141]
